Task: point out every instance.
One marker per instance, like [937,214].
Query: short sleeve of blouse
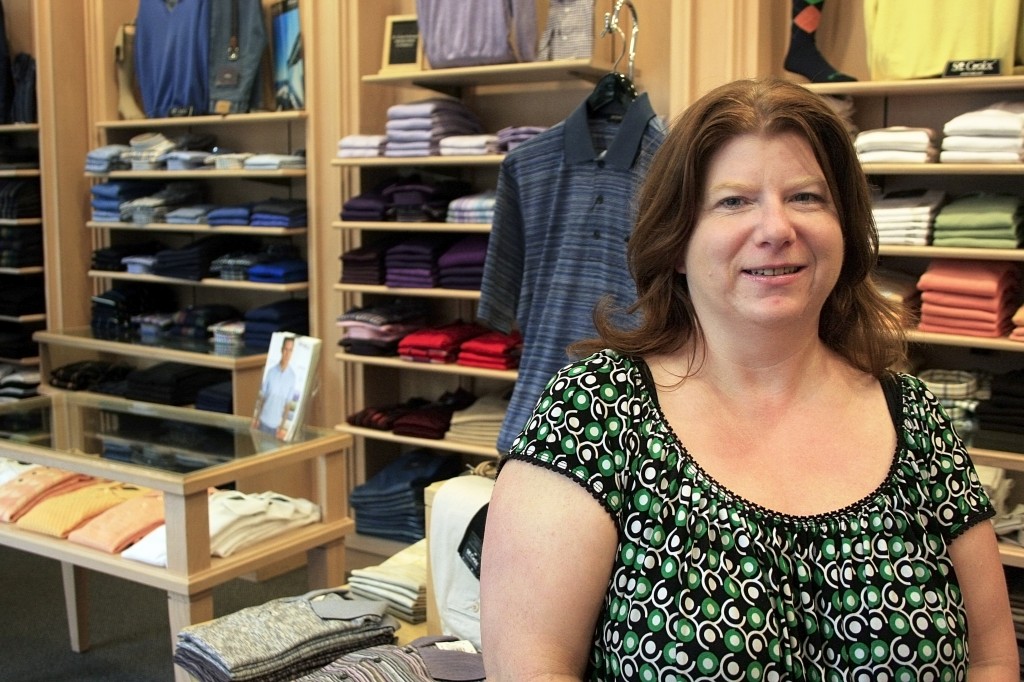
[950,486]
[579,426]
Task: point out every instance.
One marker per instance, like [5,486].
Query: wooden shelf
[406,161]
[436,292]
[82,339]
[19,173]
[205,282]
[8,128]
[964,341]
[21,222]
[439,368]
[917,87]
[199,228]
[198,174]
[950,252]
[1014,461]
[393,226]
[497,74]
[1012,555]
[254,117]
[24,319]
[441,444]
[21,362]
[30,270]
[943,168]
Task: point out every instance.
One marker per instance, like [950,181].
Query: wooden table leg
[185,610]
[76,603]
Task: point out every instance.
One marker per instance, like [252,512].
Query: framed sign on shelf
[403,49]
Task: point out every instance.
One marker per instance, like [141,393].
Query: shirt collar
[622,151]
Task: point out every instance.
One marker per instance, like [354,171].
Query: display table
[74,429]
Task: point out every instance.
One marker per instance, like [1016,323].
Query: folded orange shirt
[992,317]
[60,514]
[120,527]
[20,494]
[975,278]
[966,331]
[948,298]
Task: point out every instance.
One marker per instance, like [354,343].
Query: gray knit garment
[283,638]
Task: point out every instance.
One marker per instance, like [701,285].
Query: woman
[739,488]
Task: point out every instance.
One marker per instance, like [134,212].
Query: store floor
[129,634]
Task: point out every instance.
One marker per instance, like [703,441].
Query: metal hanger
[616,91]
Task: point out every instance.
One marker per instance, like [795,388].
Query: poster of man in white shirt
[285,387]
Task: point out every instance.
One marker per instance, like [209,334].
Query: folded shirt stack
[58,515]
[461,265]
[973,298]
[361,146]
[412,262]
[112,310]
[983,220]
[438,344]
[492,350]
[237,520]
[480,423]
[1017,333]
[193,261]
[258,162]
[147,151]
[21,247]
[472,208]
[413,200]
[1003,412]
[106,158]
[171,383]
[288,315]
[121,526]
[153,208]
[193,214]
[897,144]
[417,128]
[227,337]
[34,485]
[279,213]
[232,214]
[390,503]
[20,384]
[907,217]
[285,638]
[960,392]
[377,329]
[364,264]
[217,397]
[400,582]
[469,145]
[433,420]
[991,134]
[511,137]
[108,198]
[20,198]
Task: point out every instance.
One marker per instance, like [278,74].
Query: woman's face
[767,248]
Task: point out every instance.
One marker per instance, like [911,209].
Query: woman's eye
[731,202]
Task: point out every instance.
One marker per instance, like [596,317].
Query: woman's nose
[776,225]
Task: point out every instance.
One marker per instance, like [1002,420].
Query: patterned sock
[803,56]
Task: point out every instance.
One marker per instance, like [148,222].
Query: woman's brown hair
[857,322]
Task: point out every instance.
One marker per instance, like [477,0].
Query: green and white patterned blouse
[709,586]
